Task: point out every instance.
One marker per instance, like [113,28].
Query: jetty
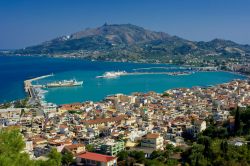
[167,73]
[177,73]
[166,68]
[30,89]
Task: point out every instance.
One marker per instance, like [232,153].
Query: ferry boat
[64,83]
[112,74]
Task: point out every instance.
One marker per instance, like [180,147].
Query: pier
[30,89]
[118,74]
[167,73]
[166,68]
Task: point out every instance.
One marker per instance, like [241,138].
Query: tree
[237,121]
[169,150]
[206,141]
[5,105]
[215,132]
[22,112]
[196,156]
[11,145]
[165,94]
[55,158]
[11,151]
[224,147]
[67,158]
[120,136]
[170,147]
[123,155]
[153,163]
[155,154]
[139,156]
[172,162]
[90,148]
[11,141]
[21,103]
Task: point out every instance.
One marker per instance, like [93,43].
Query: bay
[14,70]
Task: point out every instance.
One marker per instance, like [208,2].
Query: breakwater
[30,89]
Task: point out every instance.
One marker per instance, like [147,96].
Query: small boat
[112,74]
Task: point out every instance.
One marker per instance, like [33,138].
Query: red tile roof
[152,136]
[73,146]
[96,157]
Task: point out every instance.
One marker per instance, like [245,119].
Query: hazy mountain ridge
[127,42]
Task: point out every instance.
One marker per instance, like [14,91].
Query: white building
[153,141]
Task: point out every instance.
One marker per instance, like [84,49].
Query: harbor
[64,83]
[95,89]
[167,73]
[165,68]
[113,74]
[34,91]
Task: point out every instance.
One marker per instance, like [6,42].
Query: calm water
[14,70]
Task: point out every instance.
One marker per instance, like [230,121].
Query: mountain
[127,42]
[121,34]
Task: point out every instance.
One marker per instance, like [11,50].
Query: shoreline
[237,73]
[93,60]
[32,91]
[130,93]
[33,79]
[29,81]
[205,86]
[132,62]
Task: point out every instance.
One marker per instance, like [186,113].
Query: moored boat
[112,74]
[64,83]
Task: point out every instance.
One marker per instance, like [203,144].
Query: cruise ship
[112,74]
[64,83]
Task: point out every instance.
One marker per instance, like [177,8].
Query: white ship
[64,83]
[112,74]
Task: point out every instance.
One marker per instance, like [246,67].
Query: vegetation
[11,146]
[74,112]
[5,105]
[216,145]
[242,121]
[67,158]
[12,154]
[209,151]
[165,94]
[55,158]
[157,157]
[21,103]
[237,125]
[90,148]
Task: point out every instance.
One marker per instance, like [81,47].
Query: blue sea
[14,70]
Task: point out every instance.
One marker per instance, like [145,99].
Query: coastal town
[125,83]
[96,132]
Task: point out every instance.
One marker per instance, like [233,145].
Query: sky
[29,22]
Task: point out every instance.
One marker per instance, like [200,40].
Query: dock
[167,73]
[30,89]
[166,68]
[153,73]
